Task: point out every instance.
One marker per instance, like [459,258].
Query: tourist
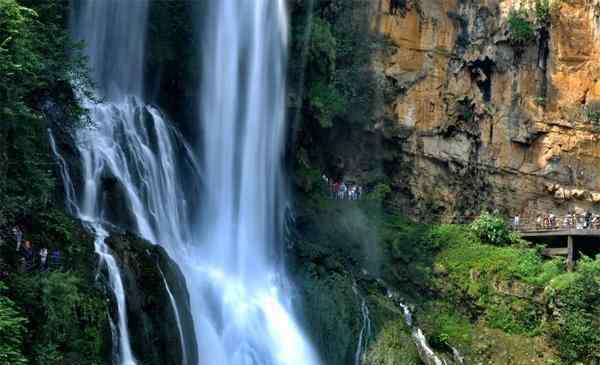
[538,222]
[18,233]
[516,222]
[44,259]
[360,191]
[552,221]
[54,259]
[343,191]
[588,219]
[27,256]
[546,221]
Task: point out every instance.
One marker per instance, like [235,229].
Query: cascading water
[428,355]
[236,286]
[125,355]
[129,143]
[238,289]
[177,317]
[365,330]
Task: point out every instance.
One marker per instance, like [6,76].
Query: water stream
[177,317]
[125,355]
[428,355]
[365,331]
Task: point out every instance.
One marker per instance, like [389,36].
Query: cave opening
[481,72]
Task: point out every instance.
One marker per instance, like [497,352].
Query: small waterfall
[365,331]
[125,355]
[177,318]
[428,355]
[66,177]
[120,331]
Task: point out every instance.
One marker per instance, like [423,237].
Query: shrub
[326,101]
[380,193]
[592,112]
[577,298]
[542,12]
[12,331]
[492,229]
[463,109]
[520,27]
[539,101]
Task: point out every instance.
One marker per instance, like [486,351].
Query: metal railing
[563,223]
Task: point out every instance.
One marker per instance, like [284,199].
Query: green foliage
[577,299]
[393,346]
[322,53]
[74,320]
[333,50]
[380,193]
[591,112]
[463,109]
[542,12]
[324,99]
[445,326]
[491,229]
[36,63]
[67,317]
[12,331]
[520,27]
[326,102]
[539,101]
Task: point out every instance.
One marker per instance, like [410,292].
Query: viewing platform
[565,241]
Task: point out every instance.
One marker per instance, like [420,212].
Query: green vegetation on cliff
[477,288]
[56,317]
[37,64]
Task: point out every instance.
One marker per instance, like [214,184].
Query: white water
[178,319]
[365,331]
[66,177]
[120,144]
[230,257]
[125,356]
[427,354]
[238,290]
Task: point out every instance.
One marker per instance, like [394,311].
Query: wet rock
[152,322]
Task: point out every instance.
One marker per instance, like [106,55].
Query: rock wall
[482,122]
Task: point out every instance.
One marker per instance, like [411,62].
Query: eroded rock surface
[482,122]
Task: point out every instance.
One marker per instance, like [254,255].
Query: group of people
[341,190]
[571,220]
[30,258]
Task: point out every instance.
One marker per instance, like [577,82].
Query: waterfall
[138,171]
[177,318]
[428,355]
[365,331]
[238,289]
[130,151]
[125,355]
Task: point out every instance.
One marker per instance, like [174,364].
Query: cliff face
[487,122]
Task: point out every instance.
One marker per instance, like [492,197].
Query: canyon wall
[484,121]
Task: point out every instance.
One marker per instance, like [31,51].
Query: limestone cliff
[484,121]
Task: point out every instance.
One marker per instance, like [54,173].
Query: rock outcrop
[156,326]
[484,122]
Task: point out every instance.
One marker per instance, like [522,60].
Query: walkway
[567,247]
